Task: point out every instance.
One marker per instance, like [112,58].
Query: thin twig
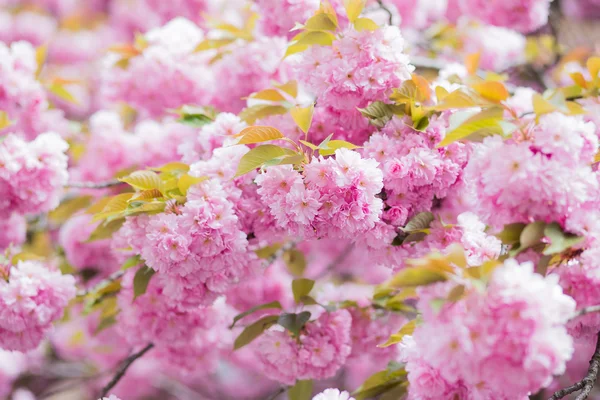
[586,310]
[279,391]
[125,364]
[113,277]
[587,383]
[94,185]
[387,10]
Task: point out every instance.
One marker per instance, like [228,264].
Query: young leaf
[144,180]
[141,280]
[254,330]
[354,8]
[333,145]
[483,123]
[301,287]
[258,134]
[131,262]
[114,206]
[381,382]
[294,322]
[186,181]
[321,22]
[493,91]
[260,155]
[295,261]
[271,305]
[59,90]
[4,120]
[40,58]
[268,251]
[268,95]
[511,234]
[416,276]
[303,116]
[302,390]
[407,329]
[542,106]
[311,38]
[532,234]
[105,230]
[365,24]
[68,207]
[419,222]
[559,240]
[259,111]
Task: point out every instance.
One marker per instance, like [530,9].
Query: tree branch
[113,277]
[586,310]
[276,394]
[387,10]
[94,185]
[587,383]
[125,364]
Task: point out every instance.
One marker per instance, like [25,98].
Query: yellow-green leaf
[260,155]
[302,390]
[4,120]
[407,329]
[60,91]
[311,38]
[416,276]
[141,280]
[144,180]
[251,114]
[173,167]
[303,116]
[333,145]
[491,90]
[290,88]
[485,123]
[593,66]
[105,230]
[186,181]
[295,261]
[542,106]
[301,287]
[321,22]
[254,330]
[114,206]
[532,234]
[365,24]
[354,8]
[258,134]
[40,58]
[69,207]
[271,305]
[268,251]
[268,95]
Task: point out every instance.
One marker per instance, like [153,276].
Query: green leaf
[419,222]
[144,180]
[195,116]
[105,323]
[301,287]
[258,134]
[105,230]
[333,145]
[378,113]
[559,240]
[294,322]
[302,116]
[511,234]
[268,251]
[407,329]
[258,156]
[141,280]
[68,207]
[186,181]
[484,123]
[295,261]
[271,305]
[309,145]
[259,111]
[380,382]
[302,390]
[321,22]
[254,330]
[61,92]
[416,276]
[365,24]
[131,262]
[532,234]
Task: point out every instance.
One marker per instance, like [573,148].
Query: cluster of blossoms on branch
[298,199]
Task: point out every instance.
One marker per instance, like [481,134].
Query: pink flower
[32,175]
[13,231]
[522,15]
[32,297]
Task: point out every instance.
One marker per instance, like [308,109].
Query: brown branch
[586,310]
[125,364]
[587,383]
[387,10]
[94,185]
[279,391]
[113,277]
